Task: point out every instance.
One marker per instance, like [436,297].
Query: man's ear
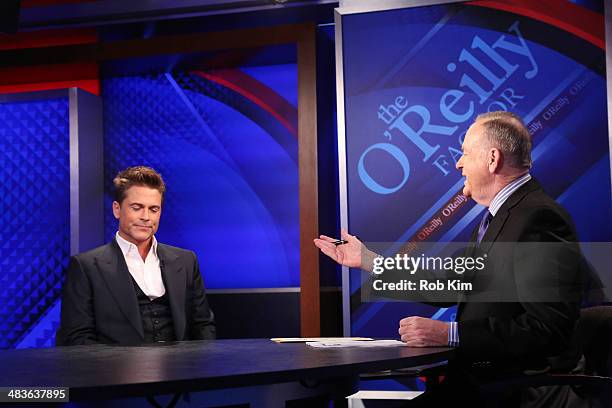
[494,160]
[116,209]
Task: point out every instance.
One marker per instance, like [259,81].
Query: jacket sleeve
[202,319]
[77,322]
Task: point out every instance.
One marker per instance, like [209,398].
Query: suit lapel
[115,272]
[472,245]
[495,228]
[175,281]
[497,223]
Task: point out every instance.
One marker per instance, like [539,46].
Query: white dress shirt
[147,273]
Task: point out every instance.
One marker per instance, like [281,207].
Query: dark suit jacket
[99,302]
[525,327]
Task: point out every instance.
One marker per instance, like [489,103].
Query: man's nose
[459,164]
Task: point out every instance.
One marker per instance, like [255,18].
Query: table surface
[102,371]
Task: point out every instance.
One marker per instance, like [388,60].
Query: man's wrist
[367,259]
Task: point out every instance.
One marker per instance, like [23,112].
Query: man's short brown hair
[137,176]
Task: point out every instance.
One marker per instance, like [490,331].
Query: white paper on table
[318,339]
[352,343]
[385,395]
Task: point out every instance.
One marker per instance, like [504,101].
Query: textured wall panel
[35,205]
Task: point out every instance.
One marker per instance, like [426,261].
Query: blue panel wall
[35,211]
[226,146]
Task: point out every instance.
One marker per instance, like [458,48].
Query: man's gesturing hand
[423,332]
[345,254]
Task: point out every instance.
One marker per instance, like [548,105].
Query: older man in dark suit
[514,323]
[135,290]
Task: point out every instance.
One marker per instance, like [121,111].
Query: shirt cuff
[453,334]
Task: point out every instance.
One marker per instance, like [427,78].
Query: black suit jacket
[99,302]
[536,329]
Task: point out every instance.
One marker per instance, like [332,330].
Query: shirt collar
[505,193]
[128,247]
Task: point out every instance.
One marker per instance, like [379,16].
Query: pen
[340,242]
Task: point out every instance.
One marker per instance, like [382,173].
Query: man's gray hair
[508,133]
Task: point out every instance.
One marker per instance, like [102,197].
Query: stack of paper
[352,343]
[318,339]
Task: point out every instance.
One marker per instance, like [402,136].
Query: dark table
[107,372]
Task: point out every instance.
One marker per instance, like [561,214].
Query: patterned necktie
[484,224]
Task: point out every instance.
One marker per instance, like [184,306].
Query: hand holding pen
[346,251]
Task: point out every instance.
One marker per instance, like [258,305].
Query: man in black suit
[135,290]
[523,312]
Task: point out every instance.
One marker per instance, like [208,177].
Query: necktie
[484,224]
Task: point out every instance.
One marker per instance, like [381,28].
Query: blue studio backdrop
[228,154]
[405,117]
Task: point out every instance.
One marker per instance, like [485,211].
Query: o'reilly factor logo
[481,70]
